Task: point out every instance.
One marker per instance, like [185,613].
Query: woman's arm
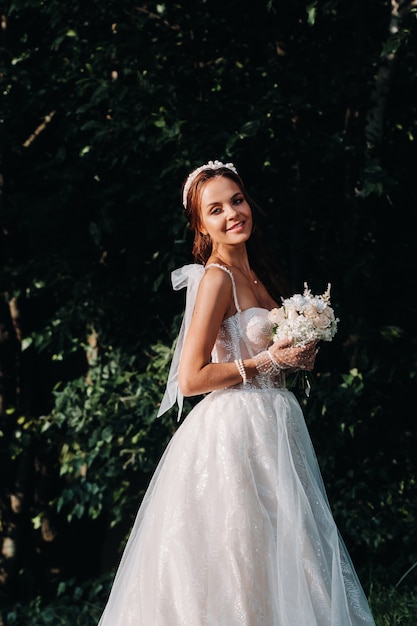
[197,375]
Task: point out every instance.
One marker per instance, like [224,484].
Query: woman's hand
[287,356]
[282,355]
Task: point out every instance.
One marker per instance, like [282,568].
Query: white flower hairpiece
[211,165]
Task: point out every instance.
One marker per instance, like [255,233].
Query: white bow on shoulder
[188,276]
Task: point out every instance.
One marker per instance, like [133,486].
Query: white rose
[276,316]
[321,321]
[329,313]
[292,313]
[310,311]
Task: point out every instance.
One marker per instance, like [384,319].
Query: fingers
[283,343]
[295,357]
[306,356]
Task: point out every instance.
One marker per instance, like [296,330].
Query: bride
[235,527]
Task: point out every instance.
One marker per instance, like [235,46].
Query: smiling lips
[236,226]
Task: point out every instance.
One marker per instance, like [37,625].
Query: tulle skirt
[235,527]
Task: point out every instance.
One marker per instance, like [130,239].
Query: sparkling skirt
[235,528]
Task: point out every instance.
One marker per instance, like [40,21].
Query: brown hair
[259,258]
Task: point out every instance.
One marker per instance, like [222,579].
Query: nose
[232,211]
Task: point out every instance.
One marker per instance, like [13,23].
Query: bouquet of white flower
[304,318]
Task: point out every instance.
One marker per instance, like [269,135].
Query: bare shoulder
[215,276]
[216,289]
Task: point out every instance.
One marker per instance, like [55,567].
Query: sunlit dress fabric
[235,528]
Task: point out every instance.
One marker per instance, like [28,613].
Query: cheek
[201,226]
[249,218]
[208,225]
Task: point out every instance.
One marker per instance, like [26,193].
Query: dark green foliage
[76,604]
[106,106]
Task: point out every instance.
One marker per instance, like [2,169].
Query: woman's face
[225,214]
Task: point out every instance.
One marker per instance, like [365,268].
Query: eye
[238,201]
[215,210]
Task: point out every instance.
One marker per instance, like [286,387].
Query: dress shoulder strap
[232,278]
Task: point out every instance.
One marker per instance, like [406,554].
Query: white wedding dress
[235,528]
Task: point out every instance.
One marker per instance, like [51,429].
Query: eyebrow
[238,193]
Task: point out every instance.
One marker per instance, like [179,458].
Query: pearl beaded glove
[265,364]
[281,356]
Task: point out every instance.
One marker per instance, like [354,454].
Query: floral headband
[211,165]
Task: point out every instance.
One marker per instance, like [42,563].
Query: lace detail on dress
[244,335]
